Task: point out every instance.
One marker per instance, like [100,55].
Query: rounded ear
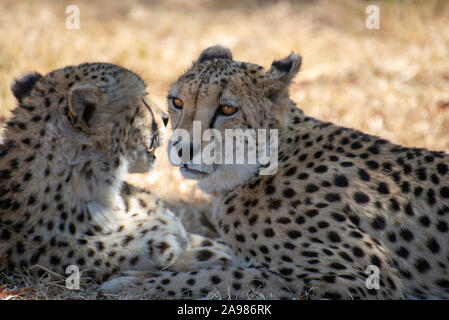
[280,76]
[22,86]
[84,102]
[285,69]
[215,52]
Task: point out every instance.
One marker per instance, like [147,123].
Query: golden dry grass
[392,82]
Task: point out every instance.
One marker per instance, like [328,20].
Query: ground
[392,82]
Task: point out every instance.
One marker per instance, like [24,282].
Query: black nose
[165,119]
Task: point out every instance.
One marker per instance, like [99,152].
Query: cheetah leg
[221,283]
[251,283]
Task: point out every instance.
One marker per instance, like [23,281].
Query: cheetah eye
[177,103]
[227,110]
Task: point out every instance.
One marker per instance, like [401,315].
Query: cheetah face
[146,134]
[114,114]
[217,96]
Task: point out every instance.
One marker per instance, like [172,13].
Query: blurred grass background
[392,82]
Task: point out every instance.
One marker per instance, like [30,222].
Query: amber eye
[227,110]
[177,103]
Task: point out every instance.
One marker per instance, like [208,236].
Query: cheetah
[73,137]
[341,202]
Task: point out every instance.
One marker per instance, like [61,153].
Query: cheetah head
[97,107]
[219,93]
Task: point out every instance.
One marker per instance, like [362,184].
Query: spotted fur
[340,201]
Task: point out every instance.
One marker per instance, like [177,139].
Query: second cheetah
[75,134]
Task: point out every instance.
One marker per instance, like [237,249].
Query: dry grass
[392,82]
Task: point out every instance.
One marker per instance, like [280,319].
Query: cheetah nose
[165,119]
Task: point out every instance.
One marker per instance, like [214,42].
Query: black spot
[311,213]
[402,252]
[444,192]
[338,217]
[286,271]
[300,220]
[294,234]
[372,164]
[269,233]
[275,204]
[433,245]
[442,168]
[421,174]
[323,224]
[356,145]
[204,255]
[310,188]
[289,193]
[347,164]
[72,228]
[215,280]
[406,234]
[240,238]
[290,171]
[27,176]
[442,226]
[333,236]
[332,197]
[270,190]
[357,252]
[364,175]
[346,256]
[321,169]
[443,283]
[382,188]
[54,260]
[341,181]
[375,260]
[378,223]
[424,220]
[361,197]
[5,174]
[422,265]
[337,266]
[409,210]
[303,176]
[5,235]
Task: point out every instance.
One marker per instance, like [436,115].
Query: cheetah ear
[22,86]
[84,101]
[285,69]
[280,76]
[215,52]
